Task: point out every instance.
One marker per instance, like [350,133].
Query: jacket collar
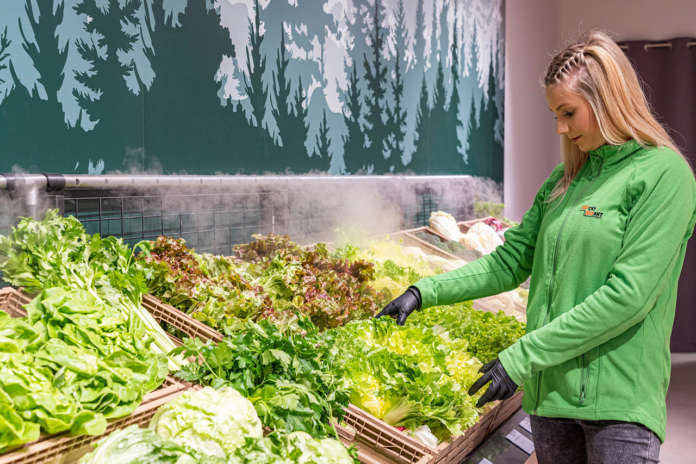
[609,155]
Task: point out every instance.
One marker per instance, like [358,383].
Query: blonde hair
[596,69]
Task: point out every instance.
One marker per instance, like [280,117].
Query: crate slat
[166,313]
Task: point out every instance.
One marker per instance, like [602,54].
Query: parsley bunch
[283,371]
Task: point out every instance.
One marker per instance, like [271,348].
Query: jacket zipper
[549,296]
[550,290]
[583,381]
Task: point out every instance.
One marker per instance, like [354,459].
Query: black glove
[502,387]
[403,305]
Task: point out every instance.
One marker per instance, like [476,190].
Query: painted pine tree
[419,38]
[322,157]
[299,127]
[32,122]
[396,113]
[440,149]
[488,159]
[412,83]
[46,54]
[257,93]
[353,142]
[255,89]
[431,71]
[115,110]
[455,100]
[420,162]
[376,78]
[281,108]
[454,123]
[357,30]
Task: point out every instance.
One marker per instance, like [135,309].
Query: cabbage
[134,445]
[215,422]
[327,451]
[445,225]
[293,448]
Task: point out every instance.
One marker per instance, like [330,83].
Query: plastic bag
[425,436]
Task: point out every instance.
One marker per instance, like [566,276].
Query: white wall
[531,146]
[534,30]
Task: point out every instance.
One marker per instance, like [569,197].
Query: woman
[604,242]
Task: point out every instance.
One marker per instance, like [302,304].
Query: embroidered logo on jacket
[591,211]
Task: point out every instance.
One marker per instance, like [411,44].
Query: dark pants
[571,441]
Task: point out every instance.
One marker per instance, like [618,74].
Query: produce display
[271,277]
[450,246]
[481,239]
[300,343]
[481,236]
[211,426]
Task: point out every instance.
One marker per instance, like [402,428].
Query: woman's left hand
[502,387]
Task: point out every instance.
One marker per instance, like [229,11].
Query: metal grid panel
[209,222]
[426,205]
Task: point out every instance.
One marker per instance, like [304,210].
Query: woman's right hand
[402,306]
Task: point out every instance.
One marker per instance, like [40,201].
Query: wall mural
[252,86]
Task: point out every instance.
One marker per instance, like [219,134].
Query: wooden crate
[456,450]
[410,239]
[366,454]
[168,314]
[65,449]
[381,439]
[399,447]
[12,301]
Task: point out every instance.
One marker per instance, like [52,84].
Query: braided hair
[565,63]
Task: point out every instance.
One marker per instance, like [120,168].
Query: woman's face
[574,117]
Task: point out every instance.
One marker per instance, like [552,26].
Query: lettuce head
[214,422]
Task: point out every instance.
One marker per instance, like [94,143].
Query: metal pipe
[26,186]
[168,181]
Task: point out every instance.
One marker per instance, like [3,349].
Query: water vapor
[219,211]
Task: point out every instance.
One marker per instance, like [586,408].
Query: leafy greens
[285,374]
[57,252]
[72,363]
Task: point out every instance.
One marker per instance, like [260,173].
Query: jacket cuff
[426,288]
[511,358]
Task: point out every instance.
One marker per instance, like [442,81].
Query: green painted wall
[249,86]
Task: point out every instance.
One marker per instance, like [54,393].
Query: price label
[526,424]
[485,461]
[522,442]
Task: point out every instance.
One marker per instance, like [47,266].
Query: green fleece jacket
[604,261]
